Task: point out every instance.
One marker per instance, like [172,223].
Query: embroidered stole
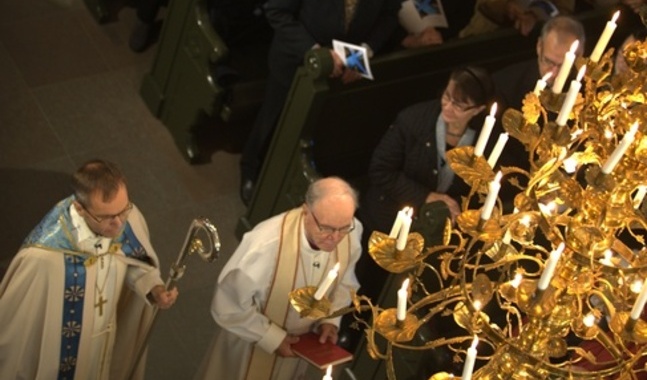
[261,363]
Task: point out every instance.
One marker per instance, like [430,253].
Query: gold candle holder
[382,249]
[304,302]
[627,328]
[394,330]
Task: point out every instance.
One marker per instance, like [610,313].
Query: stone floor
[69,92]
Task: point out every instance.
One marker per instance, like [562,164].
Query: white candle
[565,69]
[326,282]
[620,150]
[328,375]
[639,304]
[606,260]
[640,195]
[493,193]
[397,225]
[549,269]
[516,281]
[569,101]
[498,148]
[403,235]
[470,359]
[507,237]
[488,124]
[401,311]
[603,41]
[541,83]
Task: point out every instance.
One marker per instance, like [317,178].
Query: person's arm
[388,162]
[145,279]
[241,290]
[282,15]
[384,26]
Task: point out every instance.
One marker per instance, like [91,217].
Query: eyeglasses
[327,230]
[545,60]
[122,215]
[460,106]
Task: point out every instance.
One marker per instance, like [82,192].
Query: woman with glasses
[409,168]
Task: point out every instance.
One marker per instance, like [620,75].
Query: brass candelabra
[567,265]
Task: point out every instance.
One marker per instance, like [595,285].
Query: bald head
[329,208]
[330,187]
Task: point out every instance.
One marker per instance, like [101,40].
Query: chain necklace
[99,289]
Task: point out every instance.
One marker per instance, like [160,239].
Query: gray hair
[327,187]
[565,25]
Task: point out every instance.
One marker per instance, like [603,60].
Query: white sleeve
[242,291]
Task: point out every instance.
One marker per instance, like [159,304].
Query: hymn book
[321,355]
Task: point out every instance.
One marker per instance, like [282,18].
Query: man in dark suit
[301,25]
[514,82]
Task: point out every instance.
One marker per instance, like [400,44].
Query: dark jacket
[301,24]
[403,169]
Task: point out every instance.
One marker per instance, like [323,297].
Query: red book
[321,355]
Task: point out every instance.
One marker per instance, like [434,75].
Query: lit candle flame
[493,109]
[516,281]
[589,320]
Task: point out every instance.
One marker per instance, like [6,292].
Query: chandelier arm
[444,296]
[390,368]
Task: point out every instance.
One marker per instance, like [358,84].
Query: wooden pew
[330,129]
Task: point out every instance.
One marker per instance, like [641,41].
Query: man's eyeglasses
[460,106]
[547,61]
[122,215]
[331,230]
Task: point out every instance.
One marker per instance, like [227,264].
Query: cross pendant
[102,301]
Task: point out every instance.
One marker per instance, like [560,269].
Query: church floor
[69,91]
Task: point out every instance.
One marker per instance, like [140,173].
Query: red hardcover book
[321,355]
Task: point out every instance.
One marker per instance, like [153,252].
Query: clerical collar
[86,238]
[310,246]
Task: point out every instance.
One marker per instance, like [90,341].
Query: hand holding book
[321,355]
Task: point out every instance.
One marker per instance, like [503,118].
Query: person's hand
[338,65]
[525,22]
[429,36]
[164,299]
[452,205]
[285,348]
[328,332]
[350,76]
[513,10]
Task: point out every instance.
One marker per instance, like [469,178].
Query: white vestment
[242,291]
[33,291]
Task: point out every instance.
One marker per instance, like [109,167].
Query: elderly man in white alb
[256,323]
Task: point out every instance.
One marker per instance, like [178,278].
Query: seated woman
[408,167]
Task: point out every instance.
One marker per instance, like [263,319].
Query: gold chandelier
[571,255]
